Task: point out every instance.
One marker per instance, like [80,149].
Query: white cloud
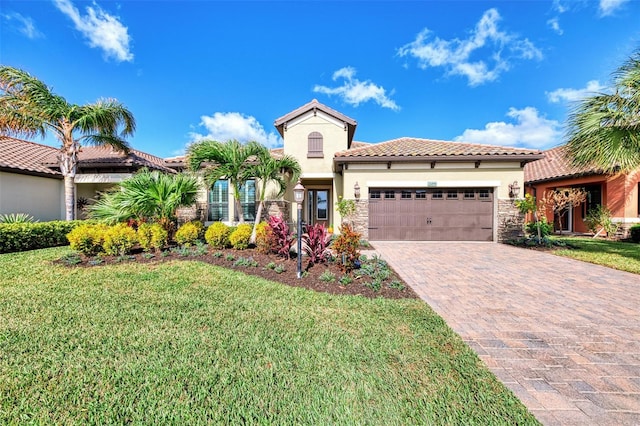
[571,95]
[223,126]
[23,24]
[609,7]
[102,30]
[455,55]
[354,92]
[554,24]
[527,129]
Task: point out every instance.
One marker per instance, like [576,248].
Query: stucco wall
[41,197]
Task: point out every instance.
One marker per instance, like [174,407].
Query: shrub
[187,234]
[16,218]
[263,237]
[240,238]
[152,236]
[119,240]
[217,235]
[282,237]
[634,233]
[346,247]
[598,219]
[31,236]
[546,227]
[315,244]
[327,277]
[88,239]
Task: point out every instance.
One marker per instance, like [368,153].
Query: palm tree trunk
[69,198]
[252,240]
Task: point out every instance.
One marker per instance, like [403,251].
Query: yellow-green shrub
[217,235]
[152,236]
[264,237]
[119,240]
[239,238]
[187,234]
[87,239]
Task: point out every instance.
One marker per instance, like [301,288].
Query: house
[618,191]
[31,182]
[404,189]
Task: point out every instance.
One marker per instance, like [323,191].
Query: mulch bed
[311,279]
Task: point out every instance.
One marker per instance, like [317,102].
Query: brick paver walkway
[563,335]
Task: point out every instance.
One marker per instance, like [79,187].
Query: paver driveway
[563,335]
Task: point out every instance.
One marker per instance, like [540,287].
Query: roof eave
[441,158]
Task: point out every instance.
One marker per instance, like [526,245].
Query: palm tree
[603,130]
[29,108]
[281,171]
[147,195]
[230,160]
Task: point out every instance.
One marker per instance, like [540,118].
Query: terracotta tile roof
[26,157]
[314,104]
[407,148]
[98,156]
[555,165]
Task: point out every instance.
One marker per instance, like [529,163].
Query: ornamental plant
[187,234]
[346,208]
[263,237]
[599,219]
[88,239]
[240,238]
[315,244]
[217,235]
[282,237]
[346,247]
[119,240]
[152,236]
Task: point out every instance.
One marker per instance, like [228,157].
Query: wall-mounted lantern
[356,191]
[514,189]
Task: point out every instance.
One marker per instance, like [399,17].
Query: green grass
[614,254]
[190,343]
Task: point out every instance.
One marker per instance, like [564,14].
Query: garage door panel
[432,214]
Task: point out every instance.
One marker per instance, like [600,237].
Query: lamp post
[298,196]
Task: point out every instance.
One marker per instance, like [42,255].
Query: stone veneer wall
[187,214]
[361,218]
[510,221]
[277,208]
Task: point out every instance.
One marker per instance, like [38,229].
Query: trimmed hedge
[634,233]
[31,236]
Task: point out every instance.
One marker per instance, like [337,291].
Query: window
[322,205]
[374,194]
[421,194]
[483,194]
[219,201]
[248,200]
[436,195]
[469,194]
[389,194]
[452,195]
[594,198]
[405,194]
[315,145]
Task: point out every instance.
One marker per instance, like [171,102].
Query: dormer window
[315,145]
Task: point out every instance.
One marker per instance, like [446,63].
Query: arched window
[315,145]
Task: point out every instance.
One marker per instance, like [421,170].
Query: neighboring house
[406,189]
[617,192]
[31,182]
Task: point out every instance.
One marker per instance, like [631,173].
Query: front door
[318,207]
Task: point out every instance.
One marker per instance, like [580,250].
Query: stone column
[510,221]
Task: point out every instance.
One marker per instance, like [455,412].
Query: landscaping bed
[374,279]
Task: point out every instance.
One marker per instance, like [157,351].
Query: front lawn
[185,342]
[624,256]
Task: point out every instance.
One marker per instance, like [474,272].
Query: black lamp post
[298,196]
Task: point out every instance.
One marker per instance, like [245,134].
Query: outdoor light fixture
[298,196]
[514,189]
[356,191]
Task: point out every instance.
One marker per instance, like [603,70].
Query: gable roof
[26,157]
[556,164]
[415,149]
[314,105]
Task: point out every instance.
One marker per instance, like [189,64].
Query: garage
[430,214]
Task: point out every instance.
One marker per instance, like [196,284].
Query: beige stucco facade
[41,197]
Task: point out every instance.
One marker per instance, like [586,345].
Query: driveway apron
[563,335]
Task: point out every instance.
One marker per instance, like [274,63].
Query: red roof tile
[26,157]
[99,156]
[407,148]
[555,165]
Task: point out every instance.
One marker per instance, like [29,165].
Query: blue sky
[500,72]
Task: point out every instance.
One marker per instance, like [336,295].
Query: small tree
[562,199]
[346,208]
[528,205]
